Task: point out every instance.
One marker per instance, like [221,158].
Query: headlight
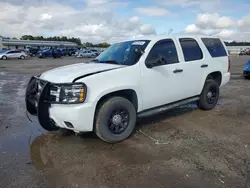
[68,93]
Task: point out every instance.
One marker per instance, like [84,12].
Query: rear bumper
[53,116]
[225,78]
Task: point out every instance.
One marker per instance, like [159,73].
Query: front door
[10,54]
[162,84]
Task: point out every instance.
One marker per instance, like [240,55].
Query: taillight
[229,64]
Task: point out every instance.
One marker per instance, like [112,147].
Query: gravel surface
[184,147]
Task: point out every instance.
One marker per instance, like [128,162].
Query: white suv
[130,79]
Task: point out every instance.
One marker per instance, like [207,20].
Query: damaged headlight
[68,93]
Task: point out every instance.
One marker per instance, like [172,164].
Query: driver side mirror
[155,61]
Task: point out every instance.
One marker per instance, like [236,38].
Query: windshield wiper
[95,60]
[110,61]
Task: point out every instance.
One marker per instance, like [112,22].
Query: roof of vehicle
[159,37]
[11,51]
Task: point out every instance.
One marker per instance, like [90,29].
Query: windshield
[122,53]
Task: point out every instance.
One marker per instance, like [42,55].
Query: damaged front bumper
[53,114]
[37,100]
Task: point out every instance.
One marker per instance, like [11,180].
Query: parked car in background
[76,53]
[55,53]
[25,51]
[13,54]
[245,52]
[72,52]
[33,51]
[96,52]
[246,70]
[3,50]
[68,51]
[86,53]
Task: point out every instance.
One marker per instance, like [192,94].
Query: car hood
[69,73]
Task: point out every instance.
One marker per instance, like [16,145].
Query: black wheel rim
[212,95]
[118,121]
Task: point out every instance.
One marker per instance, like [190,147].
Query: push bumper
[77,117]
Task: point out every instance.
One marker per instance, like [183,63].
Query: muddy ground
[184,147]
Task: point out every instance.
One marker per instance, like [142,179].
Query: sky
[115,20]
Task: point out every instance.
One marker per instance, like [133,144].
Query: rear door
[193,62]
[10,54]
[16,54]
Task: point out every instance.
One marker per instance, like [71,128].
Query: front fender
[116,89]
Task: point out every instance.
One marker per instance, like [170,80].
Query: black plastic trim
[30,98]
[168,106]
[43,111]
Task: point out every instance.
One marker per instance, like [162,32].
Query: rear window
[215,47]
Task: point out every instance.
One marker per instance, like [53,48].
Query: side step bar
[166,107]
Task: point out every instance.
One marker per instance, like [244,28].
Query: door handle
[177,70]
[204,66]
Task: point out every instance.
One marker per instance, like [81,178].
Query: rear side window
[215,47]
[191,49]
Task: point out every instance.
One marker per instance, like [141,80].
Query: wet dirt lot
[184,147]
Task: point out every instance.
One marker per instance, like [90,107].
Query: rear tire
[115,119]
[209,95]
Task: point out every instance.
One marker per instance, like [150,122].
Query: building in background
[21,44]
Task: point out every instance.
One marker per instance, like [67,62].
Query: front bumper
[52,116]
[246,73]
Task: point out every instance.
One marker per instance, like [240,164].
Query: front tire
[247,77]
[4,58]
[209,95]
[22,57]
[115,119]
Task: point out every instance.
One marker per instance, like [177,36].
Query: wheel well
[128,94]
[217,76]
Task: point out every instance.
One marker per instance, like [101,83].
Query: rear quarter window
[215,47]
